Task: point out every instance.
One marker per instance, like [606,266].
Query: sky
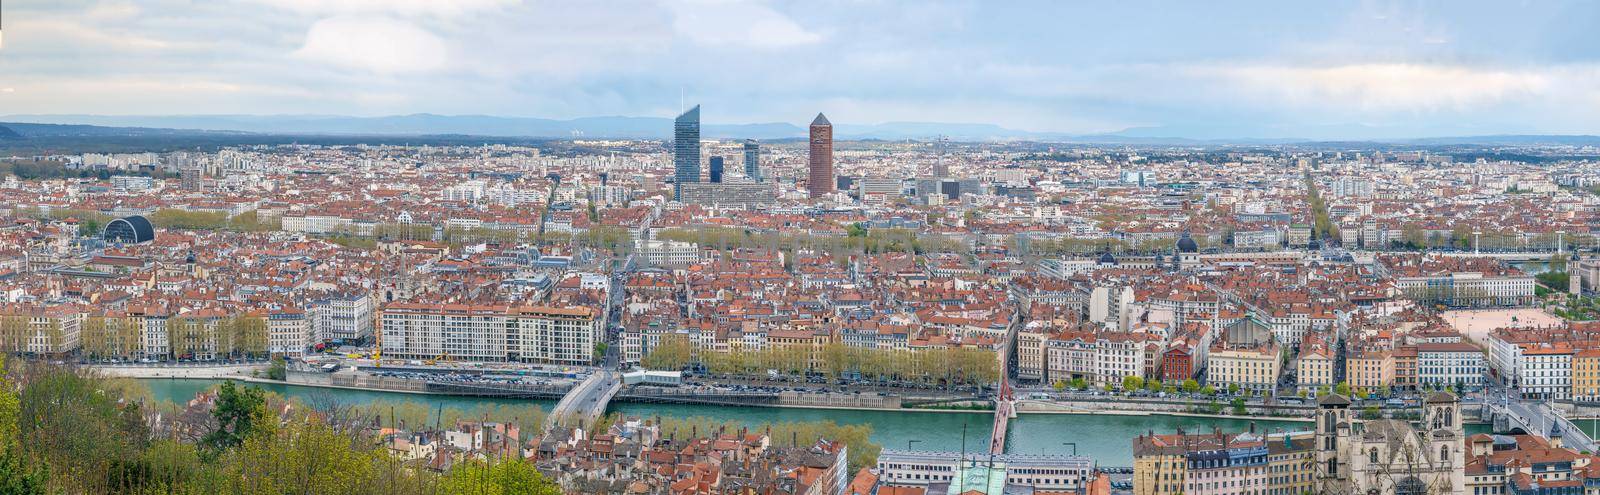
[1237,69]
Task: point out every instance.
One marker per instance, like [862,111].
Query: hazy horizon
[1363,70]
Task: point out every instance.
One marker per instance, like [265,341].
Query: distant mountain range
[23,126]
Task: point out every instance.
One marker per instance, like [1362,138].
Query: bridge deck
[587,401]
[1538,418]
[1002,420]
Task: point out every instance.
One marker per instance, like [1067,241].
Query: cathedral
[1388,456]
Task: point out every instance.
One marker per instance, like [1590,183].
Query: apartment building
[1442,365]
[489,333]
[1220,463]
[1586,375]
[1251,367]
[1314,368]
[342,318]
[288,332]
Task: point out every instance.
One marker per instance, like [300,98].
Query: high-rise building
[730,194]
[820,180]
[940,168]
[685,150]
[752,160]
[716,169]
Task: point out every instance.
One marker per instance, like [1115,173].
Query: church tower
[1574,278]
[1441,420]
[1442,412]
[1332,439]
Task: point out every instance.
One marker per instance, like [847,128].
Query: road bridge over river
[584,404]
[1536,418]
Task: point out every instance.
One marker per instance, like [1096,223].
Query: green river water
[1106,437]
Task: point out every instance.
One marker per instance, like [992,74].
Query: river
[1106,437]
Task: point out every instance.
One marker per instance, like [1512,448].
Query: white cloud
[1384,87]
[377,45]
[57,34]
[408,8]
[745,25]
[113,10]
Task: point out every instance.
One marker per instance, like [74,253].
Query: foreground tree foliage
[69,431]
[502,478]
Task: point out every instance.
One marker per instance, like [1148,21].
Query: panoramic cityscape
[769,248]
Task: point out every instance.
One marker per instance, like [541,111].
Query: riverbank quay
[555,389]
[166,370]
[357,380]
[1218,407]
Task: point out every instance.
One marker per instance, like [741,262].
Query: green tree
[73,426]
[238,411]
[672,353]
[1413,236]
[1371,412]
[1191,386]
[1343,388]
[502,477]
[1238,406]
[856,230]
[1558,263]
[1131,383]
[16,476]
[278,370]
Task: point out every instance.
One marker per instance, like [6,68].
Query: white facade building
[1450,364]
[490,333]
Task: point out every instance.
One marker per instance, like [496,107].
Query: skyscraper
[685,150]
[716,169]
[820,181]
[940,168]
[752,160]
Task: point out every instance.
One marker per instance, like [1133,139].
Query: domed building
[1186,244]
[1187,252]
[1106,259]
[131,229]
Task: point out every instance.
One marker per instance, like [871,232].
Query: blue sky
[1237,69]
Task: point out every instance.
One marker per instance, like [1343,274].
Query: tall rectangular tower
[820,180]
[685,150]
[752,160]
[716,169]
